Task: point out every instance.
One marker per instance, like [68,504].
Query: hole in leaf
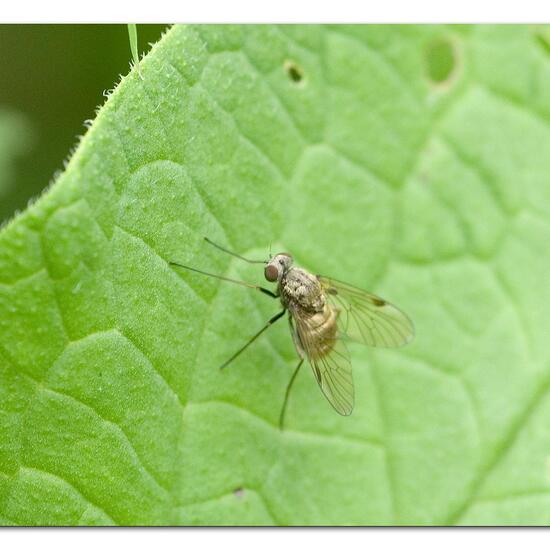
[294,72]
[441,60]
[239,492]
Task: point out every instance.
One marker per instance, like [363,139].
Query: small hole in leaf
[441,60]
[294,72]
[239,492]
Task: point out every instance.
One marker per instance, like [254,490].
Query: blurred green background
[52,77]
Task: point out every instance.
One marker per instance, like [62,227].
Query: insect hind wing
[367,318]
[332,368]
[334,375]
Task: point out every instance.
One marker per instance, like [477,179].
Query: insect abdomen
[322,332]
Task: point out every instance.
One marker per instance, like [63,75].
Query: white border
[287,11]
[276,538]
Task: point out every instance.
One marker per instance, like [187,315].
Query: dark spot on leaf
[441,60]
[378,302]
[332,291]
[239,492]
[294,72]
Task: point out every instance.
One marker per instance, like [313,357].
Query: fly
[323,314]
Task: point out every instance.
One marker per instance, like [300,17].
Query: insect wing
[330,362]
[366,318]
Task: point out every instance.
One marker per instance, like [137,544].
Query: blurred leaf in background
[52,78]
[16,138]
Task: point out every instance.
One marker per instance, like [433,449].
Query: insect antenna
[234,253]
[221,277]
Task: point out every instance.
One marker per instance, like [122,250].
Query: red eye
[271,273]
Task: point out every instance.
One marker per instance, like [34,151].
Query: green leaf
[410,161]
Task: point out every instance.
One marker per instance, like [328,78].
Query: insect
[324,314]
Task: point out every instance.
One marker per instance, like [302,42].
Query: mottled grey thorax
[299,288]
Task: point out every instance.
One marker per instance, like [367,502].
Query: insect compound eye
[271,273]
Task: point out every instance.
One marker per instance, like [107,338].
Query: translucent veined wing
[366,318]
[329,359]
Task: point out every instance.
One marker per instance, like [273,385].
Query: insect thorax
[300,289]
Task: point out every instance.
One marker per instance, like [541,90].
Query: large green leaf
[410,161]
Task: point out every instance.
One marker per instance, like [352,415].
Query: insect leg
[283,410]
[265,327]
[233,253]
[295,338]
[242,283]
